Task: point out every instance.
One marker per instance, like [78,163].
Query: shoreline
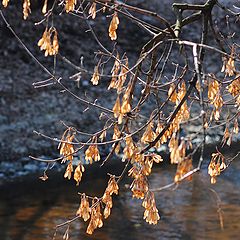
[27,169]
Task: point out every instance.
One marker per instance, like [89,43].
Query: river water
[30,208]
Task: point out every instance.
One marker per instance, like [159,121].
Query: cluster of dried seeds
[217,164]
[70,5]
[151,212]
[49,42]
[92,153]
[93,212]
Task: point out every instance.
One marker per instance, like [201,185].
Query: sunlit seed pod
[26,9]
[90,228]
[223,166]
[70,5]
[78,173]
[116,132]
[230,65]
[113,27]
[149,135]
[156,158]
[44,8]
[236,128]
[92,10]
[107,211]
[69,170]
[117,108]
[172,94]
[113,186]
[216,165]
[213,180]
[139,186]
[126,107]
[92,153]
[5,3]
[103,135]
[234,87]
[55,43]
[95,77]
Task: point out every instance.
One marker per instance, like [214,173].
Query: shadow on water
[30,209]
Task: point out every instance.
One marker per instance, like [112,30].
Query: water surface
[30,209]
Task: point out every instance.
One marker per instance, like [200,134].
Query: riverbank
[26,169]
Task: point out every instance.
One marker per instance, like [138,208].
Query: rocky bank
[24,108]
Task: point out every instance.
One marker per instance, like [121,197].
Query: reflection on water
[31,209]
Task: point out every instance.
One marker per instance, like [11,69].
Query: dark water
[30,209]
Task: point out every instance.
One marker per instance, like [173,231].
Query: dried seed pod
[235,127]
[5,3]
[156,158]
[164,138]
[139,186]
[78,173]
[66,146]
[96,76]
[115,71]
[122,76]
[226,135]
[49,42]
[96,217]
[151,212]
[234,87]
[84,209]
[213,89]
[26,8]
[129,149]
[147,165]
[228,64]
[113,27]
[92,10]
[126,106]
[149,135]
[55,45]
[117,108]
[112,186]
[103,135]
[44,8]
[70,5]
[216,165]
[92,152]
[172,93]
[69,170]
[107,196]
[116,132]
[183,168]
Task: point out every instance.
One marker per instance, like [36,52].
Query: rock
[31,167]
